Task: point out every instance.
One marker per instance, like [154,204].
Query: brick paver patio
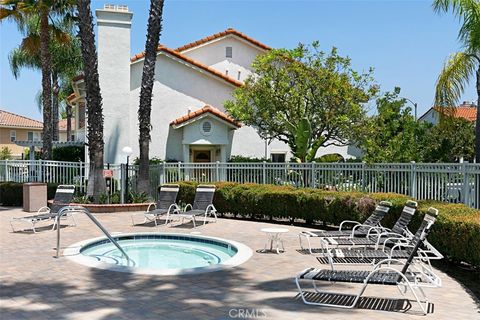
[34,285]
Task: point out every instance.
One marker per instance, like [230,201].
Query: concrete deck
[34,285]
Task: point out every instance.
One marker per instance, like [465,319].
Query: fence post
[413,180]
[313,175]
[6,170]
[264,172]
[217,173]
[122,183]
[466,186]
[41,174]
[162,175]
[363,177]
[179,171]
[80,169]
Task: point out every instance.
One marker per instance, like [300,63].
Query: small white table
[274,237]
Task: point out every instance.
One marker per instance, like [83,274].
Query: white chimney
[114,24]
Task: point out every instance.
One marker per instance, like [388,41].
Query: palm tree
[66,61]
[144,110]
[96,182]
[462,66]
[45,10]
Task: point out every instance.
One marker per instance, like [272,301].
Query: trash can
[34,196]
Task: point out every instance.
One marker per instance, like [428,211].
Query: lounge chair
[63,197]
[377,235]
[202,205]
[382,274]
[395,247]
[358,230]
[166,205]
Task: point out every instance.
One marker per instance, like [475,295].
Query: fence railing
[450,182]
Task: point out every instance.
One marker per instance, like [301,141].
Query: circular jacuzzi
[160,253]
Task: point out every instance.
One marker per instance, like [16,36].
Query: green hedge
[11,193]
[456,233]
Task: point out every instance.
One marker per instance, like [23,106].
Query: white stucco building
[192,82]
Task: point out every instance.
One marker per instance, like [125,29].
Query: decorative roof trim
[183,120]
[229,31]
[190,61]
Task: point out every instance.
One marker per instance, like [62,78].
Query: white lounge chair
[202,205]
[166,205]
[63,198]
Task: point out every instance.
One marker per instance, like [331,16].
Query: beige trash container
[34,196]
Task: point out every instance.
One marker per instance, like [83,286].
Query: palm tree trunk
[69,122]
[55,91]
[46,84]
[153,36]
[94,100]
[477,124]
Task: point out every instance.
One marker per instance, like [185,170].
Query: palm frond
[19,59]
[468,13]
[455,76]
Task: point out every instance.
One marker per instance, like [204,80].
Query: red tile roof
[192,62]
[465,111]
[8,119]
[203,110]
[62,124]
[229,31]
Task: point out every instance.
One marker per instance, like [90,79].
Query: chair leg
[194,223]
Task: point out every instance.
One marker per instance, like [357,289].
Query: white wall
[114,76]
[213,54]
[177,89]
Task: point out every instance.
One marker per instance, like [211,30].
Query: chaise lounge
[202,205]
[166,205]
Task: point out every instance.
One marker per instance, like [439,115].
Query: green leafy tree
[305,98]
[449,141]
[66,61]
[5,153]
[393,134]
[462,66]
[20,11]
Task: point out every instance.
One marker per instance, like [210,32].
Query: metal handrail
[67,209]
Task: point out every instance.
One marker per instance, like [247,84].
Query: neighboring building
[14,127]
[466,110]
[192,83]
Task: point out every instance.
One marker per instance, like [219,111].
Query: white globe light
[127,151]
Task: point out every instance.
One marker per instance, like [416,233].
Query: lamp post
[127,151]
[414,106]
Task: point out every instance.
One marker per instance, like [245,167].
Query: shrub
[456,234]
[69,153]
[5,153]
[11,193]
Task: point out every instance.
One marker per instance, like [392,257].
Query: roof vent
[206,127]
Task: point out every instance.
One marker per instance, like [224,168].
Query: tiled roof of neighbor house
[62,124]
[209,109]
[195,63]
[465,111]
[229,31]
[8,119]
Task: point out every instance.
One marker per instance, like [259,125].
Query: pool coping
[73,253]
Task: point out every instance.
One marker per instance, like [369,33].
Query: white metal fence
[451,182]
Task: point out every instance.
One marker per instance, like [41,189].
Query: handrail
[67,209]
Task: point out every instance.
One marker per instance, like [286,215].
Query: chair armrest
[211,207]
[175,208]
[44,209]
[347,221]
[150,205]
[188,205]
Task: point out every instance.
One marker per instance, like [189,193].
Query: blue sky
[404,41]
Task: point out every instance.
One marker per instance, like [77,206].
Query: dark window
[278,157]
[228,52]
[30,136]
